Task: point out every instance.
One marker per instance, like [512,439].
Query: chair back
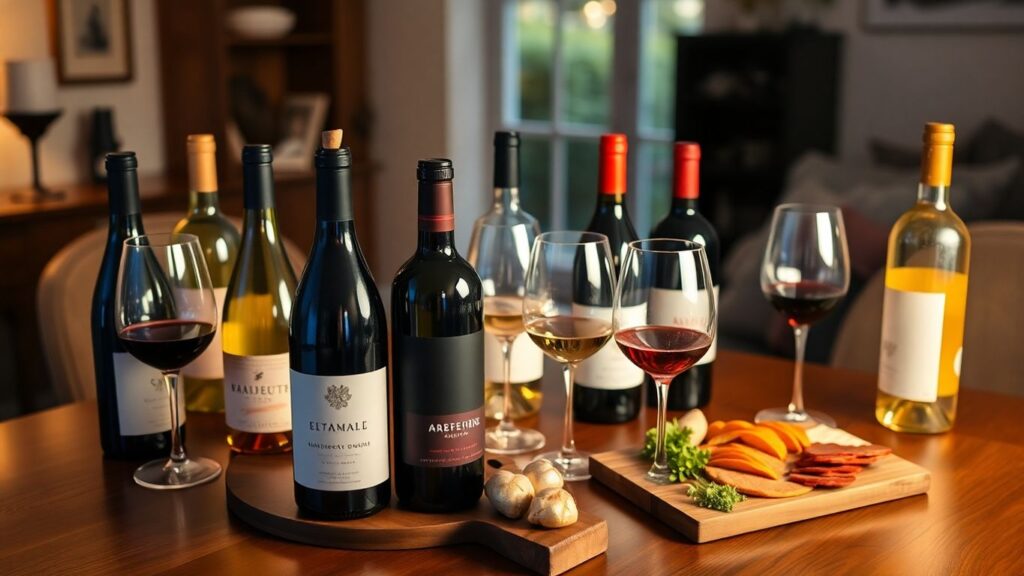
[994,324]
[64,301]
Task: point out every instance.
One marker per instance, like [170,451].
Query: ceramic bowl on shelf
[261,22]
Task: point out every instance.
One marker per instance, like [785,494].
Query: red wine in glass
[167,344]
[804,302]
[663,351]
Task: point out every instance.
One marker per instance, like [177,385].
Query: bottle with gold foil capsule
[258,307]
[925,301]
[204,378]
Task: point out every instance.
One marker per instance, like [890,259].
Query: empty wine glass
[671,282]
[568,272]
[165,316]
[806,272]
[501,254]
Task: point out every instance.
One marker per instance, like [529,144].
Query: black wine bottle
[692,388]
[438,358]
[132,397]
[338,347]
[608,386]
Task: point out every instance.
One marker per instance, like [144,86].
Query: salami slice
[871,450]
[837,459]
[840,470]
[822,481]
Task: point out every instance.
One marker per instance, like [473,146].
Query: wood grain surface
[64,509]
[260,492]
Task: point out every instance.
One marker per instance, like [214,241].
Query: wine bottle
[132,397]
[438,358]
[691,389]
[338,345]
[257,399]
[204,378]
[609,386]
[527,360]
[925,301]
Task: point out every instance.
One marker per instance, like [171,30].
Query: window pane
[655,184]
[581,181]
[535,172]
[587,44]
[529,70]
[661,22]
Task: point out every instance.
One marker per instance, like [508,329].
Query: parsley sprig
[684,459]
[712,495]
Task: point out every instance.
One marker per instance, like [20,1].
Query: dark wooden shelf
[308,39]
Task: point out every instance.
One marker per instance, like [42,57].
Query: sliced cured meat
[837,459]
[822,481]
[755,485]
[839,449]
[840,470]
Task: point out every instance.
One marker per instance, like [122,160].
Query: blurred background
[809,100]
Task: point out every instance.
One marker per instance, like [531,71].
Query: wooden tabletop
[65,509]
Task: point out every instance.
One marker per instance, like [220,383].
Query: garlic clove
[553,508]
[697,423]
[543,475]
[510,494]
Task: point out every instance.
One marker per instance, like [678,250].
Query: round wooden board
[261,493]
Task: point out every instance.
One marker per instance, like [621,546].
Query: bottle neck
[934,196]
[436,216]
[333,195]
[260,223]
[258,187]
[506,199]
[203,203]
[684,206]
[430,242]
[123,192]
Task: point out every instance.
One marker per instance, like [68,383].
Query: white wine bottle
[204,378]
[257,393]
[925,301]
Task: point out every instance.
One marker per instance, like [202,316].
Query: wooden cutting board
[625,472]
[260,492]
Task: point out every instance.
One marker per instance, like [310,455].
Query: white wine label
[256,393]
[675,307]
[340,440]
[142,403]
[609,369]
[908,365]
[527,360]
[210,364]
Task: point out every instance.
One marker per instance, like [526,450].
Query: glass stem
[796,405]
[177,446]
[660,466]
[506,410]
[568,443]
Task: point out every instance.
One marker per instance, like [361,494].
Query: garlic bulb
[509,493]
[553,508]
[543,474]
[697,423]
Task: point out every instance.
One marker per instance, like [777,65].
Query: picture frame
[302,120]
[941,15]
[92,41]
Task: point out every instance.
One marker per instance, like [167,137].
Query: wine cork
[331,139]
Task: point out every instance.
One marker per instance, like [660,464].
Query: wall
[428,93]
[893,82]
[64,149]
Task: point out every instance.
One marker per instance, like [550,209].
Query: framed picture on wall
[949,15]
[93,41]
[302,120]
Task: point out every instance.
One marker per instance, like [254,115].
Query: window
[574,69]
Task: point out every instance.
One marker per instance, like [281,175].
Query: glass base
[171,475]
[513,440]
[574,468]
[658,475]
[806,419]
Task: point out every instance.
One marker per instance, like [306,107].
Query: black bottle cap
[333,157]
[121,161]
[257,154]
[435,170]
[506,139]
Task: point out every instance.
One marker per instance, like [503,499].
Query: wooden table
[63,508]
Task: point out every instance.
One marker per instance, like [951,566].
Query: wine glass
[165,316]
[500,253]
[569,273]
[806,272]
[671,281]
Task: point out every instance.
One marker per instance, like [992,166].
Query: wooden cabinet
[755,103]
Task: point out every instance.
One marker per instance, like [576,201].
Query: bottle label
[210,364]
[257,395]
[609,369]
[142,403]
[908,365]
[527,360]
[439,395]
[340,439]
[675,307]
